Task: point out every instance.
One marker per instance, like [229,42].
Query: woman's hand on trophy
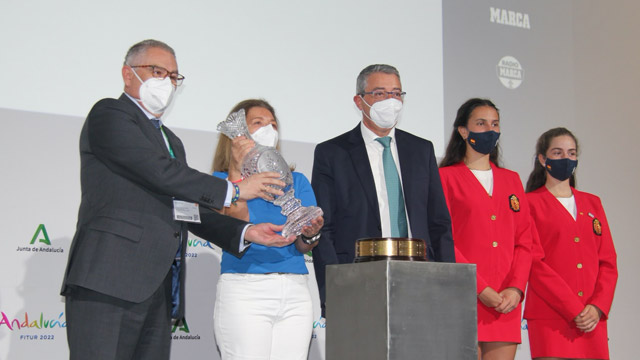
[240,147]
[265,185]
[314,228]
[309,232]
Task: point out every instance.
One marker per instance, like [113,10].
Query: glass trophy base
[300,218]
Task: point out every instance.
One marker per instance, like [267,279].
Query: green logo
[45,237]
[177,326]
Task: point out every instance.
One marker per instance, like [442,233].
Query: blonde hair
[222,156]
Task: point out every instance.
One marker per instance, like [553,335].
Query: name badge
[186,211]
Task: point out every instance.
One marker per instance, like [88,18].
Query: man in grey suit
[125,274]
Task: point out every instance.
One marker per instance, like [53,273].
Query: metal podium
[399,310]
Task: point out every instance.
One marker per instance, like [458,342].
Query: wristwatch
[310,240]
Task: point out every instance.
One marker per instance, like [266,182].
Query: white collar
[369,136]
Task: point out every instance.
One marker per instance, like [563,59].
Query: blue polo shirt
[260,259]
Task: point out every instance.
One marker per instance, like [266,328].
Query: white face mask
[385,113]
[266,136]
[156,94]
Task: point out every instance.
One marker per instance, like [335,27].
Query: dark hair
[538,176]
[457,146]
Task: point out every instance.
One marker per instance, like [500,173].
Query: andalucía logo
[39,328]
[318,324]
[41,322]
[199,243]
[308,257]
[182,326]
[39,230]
[194,244]
[40,237]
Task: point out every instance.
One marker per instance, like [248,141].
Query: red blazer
[492,232]
[574,260]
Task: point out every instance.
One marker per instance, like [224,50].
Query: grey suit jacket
[126,238]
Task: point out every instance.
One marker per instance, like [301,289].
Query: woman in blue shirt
[263,306]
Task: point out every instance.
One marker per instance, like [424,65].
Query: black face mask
[560,169]
[483,142]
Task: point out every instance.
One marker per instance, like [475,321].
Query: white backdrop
[303,57]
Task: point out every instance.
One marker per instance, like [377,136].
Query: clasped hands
[508,299]
[588,318]
[504,301]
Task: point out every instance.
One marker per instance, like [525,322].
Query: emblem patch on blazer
[514,203]
[597,227]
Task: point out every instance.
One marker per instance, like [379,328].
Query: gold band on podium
[372,249]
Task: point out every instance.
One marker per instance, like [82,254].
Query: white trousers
[263,316]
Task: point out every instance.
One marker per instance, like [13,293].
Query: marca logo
[510,72]
[510,18]
[41,230]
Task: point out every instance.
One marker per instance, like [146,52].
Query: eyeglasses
[381,94]
[162,73]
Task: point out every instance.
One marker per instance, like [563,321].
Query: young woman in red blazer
[574,272]
[490,223]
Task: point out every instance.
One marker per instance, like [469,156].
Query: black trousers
[107,328]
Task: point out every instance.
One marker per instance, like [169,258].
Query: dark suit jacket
[343,183]
[126,238]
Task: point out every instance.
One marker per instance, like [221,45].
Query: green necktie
[394,191]
[156,123]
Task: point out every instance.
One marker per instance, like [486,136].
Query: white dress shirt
[374,152]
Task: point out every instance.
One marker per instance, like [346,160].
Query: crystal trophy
[265,158]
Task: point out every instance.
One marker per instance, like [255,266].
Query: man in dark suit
[125,274]
[354,176]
